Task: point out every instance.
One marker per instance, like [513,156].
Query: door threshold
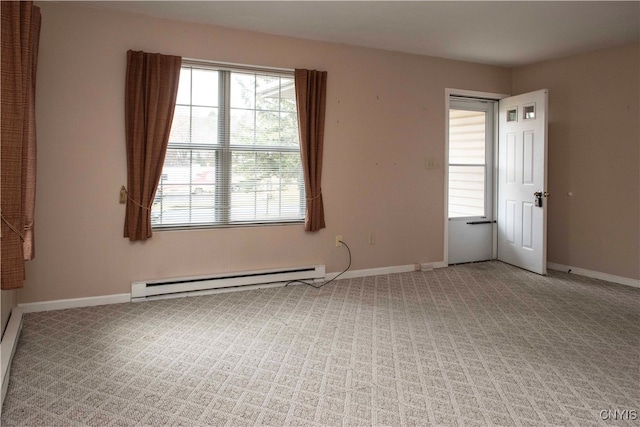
[471,262]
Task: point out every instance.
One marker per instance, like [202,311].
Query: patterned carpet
[477,344]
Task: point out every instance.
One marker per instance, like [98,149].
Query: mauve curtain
[20,40]
[150,99]
[311,95]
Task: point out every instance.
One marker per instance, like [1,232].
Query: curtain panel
[311,95]
[20,41]
[150,100]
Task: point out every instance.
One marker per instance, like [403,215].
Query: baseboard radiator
[201,285]
[9,345]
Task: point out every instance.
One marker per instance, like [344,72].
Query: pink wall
[385,115]
[594,148]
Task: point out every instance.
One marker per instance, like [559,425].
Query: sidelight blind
[467,163]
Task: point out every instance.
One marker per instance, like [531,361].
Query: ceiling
[503,33]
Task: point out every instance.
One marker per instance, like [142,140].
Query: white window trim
[227,223]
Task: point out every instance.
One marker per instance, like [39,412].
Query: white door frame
[470,94]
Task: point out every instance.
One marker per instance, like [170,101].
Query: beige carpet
[478,344]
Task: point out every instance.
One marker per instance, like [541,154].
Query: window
[234,153]
[467,163]
[529,112]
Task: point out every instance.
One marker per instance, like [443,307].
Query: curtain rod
[232,66]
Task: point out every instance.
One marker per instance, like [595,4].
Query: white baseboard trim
[8,348]
[384,270]
[594,274]
[439,264]
[62,304]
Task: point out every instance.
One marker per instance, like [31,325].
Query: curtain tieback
[135,202]
[310,199]
[12,227]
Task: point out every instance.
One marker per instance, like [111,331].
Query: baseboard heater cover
[183,286]
[9,345]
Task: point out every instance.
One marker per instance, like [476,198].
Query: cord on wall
[326,282]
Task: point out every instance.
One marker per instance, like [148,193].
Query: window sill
[231,225]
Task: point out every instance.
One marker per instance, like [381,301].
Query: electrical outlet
[372,239]
[430,163]
[338,240]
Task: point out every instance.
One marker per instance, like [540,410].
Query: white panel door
[522,181]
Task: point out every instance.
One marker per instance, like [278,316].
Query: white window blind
[234,153]
[467,163]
